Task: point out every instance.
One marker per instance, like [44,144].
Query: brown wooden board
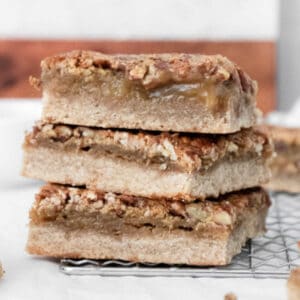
[21,58]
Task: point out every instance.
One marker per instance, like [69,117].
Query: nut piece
[50,206]
[222,218]
[63,132]
[110,198]
[232,147]
[178,208]
[91,196]
[195,212]
[35,82]
[169,148]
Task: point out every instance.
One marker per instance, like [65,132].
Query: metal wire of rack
[271,256]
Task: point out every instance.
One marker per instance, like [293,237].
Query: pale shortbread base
[88,109]
[121,176]
[144,244]
[284,183]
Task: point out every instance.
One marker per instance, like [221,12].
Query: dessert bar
[165,92]
[161,165]
[79,223]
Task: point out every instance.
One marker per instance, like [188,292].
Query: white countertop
[35,278]
[135,19]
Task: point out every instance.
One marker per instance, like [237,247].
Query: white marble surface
[33,278]
[130,19]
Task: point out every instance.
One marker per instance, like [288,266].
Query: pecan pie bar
[80,223]
[285,166]
[165,92]
[149,164]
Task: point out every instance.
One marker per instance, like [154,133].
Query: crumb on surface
[230,296]
[1,271]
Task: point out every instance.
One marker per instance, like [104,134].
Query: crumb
[35,82]
[230,296]
[1,271]
[293,285]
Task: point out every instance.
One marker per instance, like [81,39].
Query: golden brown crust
[154,70]
[191,152]
[57,202]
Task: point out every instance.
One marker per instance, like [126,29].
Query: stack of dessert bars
[149,158]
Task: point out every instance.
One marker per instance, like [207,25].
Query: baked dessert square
[149,164]
[285,166]
[160,92]
[69,222]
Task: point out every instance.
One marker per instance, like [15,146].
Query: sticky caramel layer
[82,207]
[188,152]
[216,83]
[152,70]
[109,85]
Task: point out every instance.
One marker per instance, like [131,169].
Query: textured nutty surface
[191,152]
[57,202]
[153,70]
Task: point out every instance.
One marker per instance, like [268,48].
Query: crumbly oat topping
[55,201]
[191,152]
[152,70]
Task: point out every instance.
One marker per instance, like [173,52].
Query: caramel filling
[112,85]
[82,207]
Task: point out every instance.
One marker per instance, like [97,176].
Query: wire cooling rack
[271,256]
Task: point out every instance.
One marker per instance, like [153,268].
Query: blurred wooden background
[21,58]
